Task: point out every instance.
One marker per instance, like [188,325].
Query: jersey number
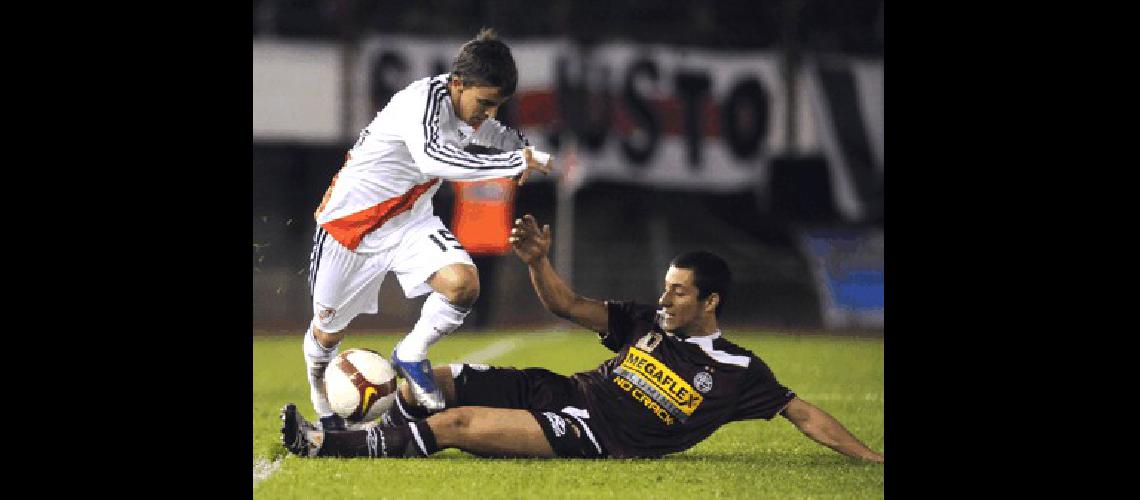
[447,237]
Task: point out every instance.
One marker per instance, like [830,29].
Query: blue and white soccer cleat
[298,435]
[420,379]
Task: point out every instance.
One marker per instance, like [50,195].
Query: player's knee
[467,293]
[460,285]
[327,339]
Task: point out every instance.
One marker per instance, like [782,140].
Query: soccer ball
[360,384]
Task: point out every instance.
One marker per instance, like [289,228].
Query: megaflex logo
[654,385]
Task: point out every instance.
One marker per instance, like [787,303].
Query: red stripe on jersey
[350,229]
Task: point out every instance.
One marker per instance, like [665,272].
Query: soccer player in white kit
[377,214]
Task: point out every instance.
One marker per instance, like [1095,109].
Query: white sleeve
[493,134]
[437,159]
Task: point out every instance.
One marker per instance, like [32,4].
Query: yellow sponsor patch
[662,381]
[645,399]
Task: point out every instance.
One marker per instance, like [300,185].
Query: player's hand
[530,243]
[533,164]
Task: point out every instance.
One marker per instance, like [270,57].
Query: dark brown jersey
[664,393]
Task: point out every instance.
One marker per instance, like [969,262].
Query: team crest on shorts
[702,381]
[326,314]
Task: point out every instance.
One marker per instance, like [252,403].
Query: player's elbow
[804,416]
[818,428]
[809,428]
[556,308]
[562,306]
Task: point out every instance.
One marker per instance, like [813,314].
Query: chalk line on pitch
[499,348]
[489,352]
[263,468]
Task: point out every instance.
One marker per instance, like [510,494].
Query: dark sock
[427,438]
[396,417]
[416,412]
[346,444]
[379,442]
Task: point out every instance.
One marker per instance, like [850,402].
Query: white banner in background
[297,92]
[646,114]
[847,99]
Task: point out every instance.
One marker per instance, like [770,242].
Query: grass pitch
[748,459]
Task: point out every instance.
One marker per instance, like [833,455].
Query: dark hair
[486,60]
[710,274]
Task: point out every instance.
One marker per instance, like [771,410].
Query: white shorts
[344,284]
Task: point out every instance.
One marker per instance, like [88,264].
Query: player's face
[475,103]
[679,303]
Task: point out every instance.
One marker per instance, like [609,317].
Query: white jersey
[397,164]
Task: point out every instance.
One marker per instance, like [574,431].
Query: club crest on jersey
[702,381]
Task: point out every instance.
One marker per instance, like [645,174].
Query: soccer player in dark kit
[674,381]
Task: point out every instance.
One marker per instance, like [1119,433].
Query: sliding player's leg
[492,386]
[483,431]
[406,409]
[493,411]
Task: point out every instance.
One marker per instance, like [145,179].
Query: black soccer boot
[298,435]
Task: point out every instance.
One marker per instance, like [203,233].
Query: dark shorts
[553,399]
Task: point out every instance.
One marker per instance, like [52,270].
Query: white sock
[438,317]
[317,358]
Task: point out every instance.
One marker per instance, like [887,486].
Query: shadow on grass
[770,458]
[764,459]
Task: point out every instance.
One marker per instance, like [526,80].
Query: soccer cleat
[298,435]
[420,379]
[332,422]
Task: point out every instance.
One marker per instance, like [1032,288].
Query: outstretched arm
[438,158]
[499,137]
[532,246]
[826,430]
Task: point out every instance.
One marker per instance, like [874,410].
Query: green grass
[750,459]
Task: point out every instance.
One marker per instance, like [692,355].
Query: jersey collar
[704,340]
[695,340]
[706,344]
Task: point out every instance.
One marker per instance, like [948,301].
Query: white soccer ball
[360,384]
